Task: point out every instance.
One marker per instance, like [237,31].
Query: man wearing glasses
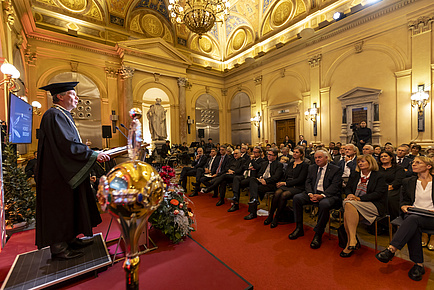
[269,174]
[235,168]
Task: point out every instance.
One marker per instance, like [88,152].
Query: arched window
[207,118]
[240,119]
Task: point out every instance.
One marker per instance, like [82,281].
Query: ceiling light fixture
[199,15]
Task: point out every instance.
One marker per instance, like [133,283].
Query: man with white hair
[349,164]
[323,187]
[368,149]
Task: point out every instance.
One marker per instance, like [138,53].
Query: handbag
[342,236]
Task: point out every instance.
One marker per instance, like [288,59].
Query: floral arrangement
[174,217]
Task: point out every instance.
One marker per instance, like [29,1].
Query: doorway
[283,128]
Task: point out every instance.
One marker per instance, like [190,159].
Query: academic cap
[57,88]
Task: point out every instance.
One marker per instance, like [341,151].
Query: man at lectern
[65,205]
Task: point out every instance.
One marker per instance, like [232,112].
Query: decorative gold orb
[132,189]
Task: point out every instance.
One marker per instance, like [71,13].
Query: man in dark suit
[244,152]
[222,163]
[323,187]
[348,165]
[251,168]
[301,141]
[269,174]
[199,162]
[235,168]
[402,159]
[204,174]
[165,149]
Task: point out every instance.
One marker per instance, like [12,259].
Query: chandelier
[198,15]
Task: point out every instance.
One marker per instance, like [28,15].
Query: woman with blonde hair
[366,199]
[417,192]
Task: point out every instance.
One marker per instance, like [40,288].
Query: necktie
[400,161]
[267,172]
[318,177]
[210,163]
[220,163]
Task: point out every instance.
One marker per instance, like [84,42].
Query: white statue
[157,121]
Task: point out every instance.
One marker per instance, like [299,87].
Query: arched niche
[87,115]
[207,118]
[240,119]
[148,99]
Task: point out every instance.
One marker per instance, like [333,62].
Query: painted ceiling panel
[118,7]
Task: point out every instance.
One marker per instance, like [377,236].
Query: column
[421,49]
[405,120]
[126,93]
[111,103]
[182,82]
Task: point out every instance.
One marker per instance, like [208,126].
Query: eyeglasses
[271,154]
[418,162]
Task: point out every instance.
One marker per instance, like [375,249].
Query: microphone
[123,126]
[121,132]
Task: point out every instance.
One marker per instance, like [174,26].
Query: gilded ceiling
[251,24]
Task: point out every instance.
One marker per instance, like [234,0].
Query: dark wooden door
[283,128]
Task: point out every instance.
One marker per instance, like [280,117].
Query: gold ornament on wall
[205,44]
[152,25]
[239,39]
[281,13]
[73,5]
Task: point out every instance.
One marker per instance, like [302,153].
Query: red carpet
[269,260]
[183,266]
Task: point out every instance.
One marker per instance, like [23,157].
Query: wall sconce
[312,115]
[420,100]
[36,108]
[11,73]
[256,120]
[189,123]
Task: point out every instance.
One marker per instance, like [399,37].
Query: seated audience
[417,191]
[323,187]
[251,169]
[269,174]
[294,180]
[393,174]
[234,168]
[336,156]
[366,199]
[199,162]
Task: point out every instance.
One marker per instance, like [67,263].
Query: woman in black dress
[295,177]
[393,174]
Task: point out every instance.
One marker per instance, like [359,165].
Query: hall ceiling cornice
[255,28]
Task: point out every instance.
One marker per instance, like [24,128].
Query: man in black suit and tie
[222,163]
[234,168]
[301,141]
[269,174]
[323,187]
[402,159]
[205,172]
[251,169]
[199,162]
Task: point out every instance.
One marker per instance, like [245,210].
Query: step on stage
[36,269]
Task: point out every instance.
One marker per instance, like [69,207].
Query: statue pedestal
[157,145]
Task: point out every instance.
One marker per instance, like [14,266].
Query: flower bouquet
[174,217]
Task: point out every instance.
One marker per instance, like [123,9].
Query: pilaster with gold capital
[182,82]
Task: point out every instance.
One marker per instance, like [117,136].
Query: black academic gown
[65,205]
